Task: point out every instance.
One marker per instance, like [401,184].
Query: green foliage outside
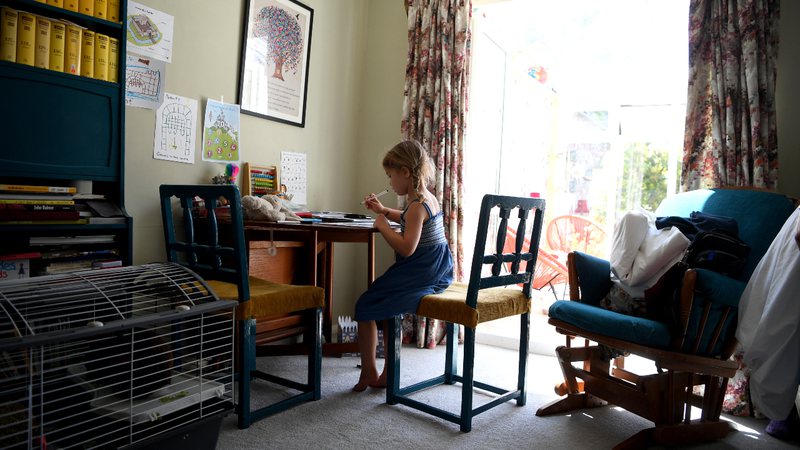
[644,177]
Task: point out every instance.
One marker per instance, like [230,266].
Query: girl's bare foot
[380,383]
[364,381]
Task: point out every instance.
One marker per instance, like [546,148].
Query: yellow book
[86,7]
[8,34]
[57,35]
[113,58]
[42,57]
[101,56]
[71,5]
[100,9]
[40,1]
[87,53]
[112,12]
[26,38]
[56,3]
[72,49]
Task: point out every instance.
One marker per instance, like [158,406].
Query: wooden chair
[481,300]
[689,358]
[222,262]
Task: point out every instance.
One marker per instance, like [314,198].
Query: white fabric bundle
[641,253]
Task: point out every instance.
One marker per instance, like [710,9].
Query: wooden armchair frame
[665,397]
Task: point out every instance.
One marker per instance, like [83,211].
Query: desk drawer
[288,266]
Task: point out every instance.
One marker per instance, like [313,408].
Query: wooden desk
[320,239]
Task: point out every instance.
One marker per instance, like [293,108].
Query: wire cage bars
[122,357]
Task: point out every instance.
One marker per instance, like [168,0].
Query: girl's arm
[406,243]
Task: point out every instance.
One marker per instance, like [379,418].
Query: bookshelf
[61,128]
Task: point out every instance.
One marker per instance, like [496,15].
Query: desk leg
[370,259]
[328,285]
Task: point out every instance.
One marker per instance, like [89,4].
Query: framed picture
[276,49]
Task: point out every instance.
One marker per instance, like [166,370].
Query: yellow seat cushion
[268,298]
[494,303]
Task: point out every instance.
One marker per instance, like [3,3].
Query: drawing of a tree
[283,35]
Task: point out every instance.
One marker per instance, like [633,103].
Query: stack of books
[54,205]
[32,205]
[60,254]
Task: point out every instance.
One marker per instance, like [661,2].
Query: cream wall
[205,64]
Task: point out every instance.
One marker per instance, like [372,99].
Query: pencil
[379,194]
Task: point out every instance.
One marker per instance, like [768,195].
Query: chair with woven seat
[222,261]
[483,299]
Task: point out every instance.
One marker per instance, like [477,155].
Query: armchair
[694,353]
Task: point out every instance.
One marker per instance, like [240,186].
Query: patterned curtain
[731,134]
[434,108]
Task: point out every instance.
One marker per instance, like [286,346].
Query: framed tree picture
[276,49]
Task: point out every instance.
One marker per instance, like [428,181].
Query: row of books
[102,9]
[58,45]
[56,260]
[31,205]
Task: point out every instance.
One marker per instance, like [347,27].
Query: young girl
[423,262]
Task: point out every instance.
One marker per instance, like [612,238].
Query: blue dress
[429,270]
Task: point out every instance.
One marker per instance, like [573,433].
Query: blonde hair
[412,156]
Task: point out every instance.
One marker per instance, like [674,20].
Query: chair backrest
[759,214]
[200,248]
[528,228]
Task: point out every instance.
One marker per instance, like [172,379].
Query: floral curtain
[434,108]
[731,136]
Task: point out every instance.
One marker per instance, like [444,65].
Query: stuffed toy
[267,207]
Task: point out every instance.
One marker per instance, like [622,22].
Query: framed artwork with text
[276,49]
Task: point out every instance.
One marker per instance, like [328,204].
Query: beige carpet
[347,420]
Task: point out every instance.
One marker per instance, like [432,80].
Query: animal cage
[138,356]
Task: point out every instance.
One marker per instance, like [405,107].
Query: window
[580,101]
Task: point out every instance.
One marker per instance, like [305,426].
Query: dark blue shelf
[59,127]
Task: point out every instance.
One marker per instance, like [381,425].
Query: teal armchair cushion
[595,319]
[760,215]
[593,276]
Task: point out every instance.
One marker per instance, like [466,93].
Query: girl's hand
[382,223]
[373,204]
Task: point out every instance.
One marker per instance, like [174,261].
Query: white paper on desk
[294,176]
[354,224]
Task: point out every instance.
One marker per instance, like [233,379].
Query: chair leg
[314,339]
[393,342]
[451,355]
[524,339]
[468,379]
[576,397]
[247,336]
